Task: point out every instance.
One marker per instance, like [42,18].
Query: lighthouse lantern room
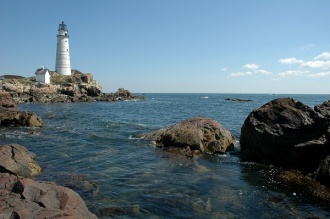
[62,65]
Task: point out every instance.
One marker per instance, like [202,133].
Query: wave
[135,138]
[206,97]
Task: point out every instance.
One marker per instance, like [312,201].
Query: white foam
[134,138]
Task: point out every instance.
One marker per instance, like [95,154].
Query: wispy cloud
[251,66]
[240,74]
[311,68]
[308,47]
[252,69]
[318,75]
[321,61]
[291,61]
[291,73]
[264,72]
[224,69]
[317,64]
[324,56]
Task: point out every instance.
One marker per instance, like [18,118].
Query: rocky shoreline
[285,136]
[79,87]
[21,196]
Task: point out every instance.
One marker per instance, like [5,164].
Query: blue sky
[209,46]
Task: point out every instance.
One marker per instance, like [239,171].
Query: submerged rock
[238,100]
[197,134]
[78,182]
[298,183]
[285,132]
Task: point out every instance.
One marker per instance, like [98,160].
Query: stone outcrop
[78,87]
[16,159]
[324,109]
[193,135]
[11,116]
[286,132]
[121,94]
[27,198]
[7,102]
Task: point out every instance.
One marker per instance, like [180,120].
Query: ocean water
[137,180]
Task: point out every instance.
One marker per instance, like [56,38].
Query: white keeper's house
[42,75]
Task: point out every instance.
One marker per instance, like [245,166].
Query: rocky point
[11,116]
[78,87]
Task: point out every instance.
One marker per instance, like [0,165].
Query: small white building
[42,75]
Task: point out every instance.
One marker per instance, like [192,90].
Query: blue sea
[136,180]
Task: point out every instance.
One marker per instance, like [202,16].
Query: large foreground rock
[285,132]
[16,159]
[197,134]
[11,116]
[26,198]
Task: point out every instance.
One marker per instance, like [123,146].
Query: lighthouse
[62,65]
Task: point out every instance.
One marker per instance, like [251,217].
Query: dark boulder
[324,109]
[123,93]
[322,174]
[87,78]
[285,132]
[238,100]
[194,135]
[119,95]
[93,91]
[16,159]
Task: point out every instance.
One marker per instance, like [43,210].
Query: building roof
[41,71]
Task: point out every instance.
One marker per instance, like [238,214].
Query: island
[77,87]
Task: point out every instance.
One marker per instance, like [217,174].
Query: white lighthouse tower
[62,65]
